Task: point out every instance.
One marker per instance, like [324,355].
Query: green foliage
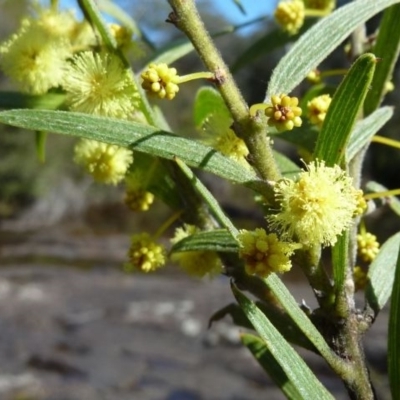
[343,111]
[293,367]
[381,274]
[394,336]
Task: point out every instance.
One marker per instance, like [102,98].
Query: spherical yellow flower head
[314,76]
[144,254]
[195,263]
[138,199]
[160,80]
[34,59]
[107,163]
[361,203]
[323,5]
[360,278]
[98,83]
[389,87]
[317,109]
[368,246]
[223,139]
[290,15]
[317,207]
[284,113]
[264,253]
[123,36]
[56,23]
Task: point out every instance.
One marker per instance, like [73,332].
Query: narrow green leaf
[394,335]
[206,195]
[216,240]
[208,102]
[319,41]
[386,48]
[392,201]
[92,13]
[300,318]
[273,40]
[305,382]
[344,110]
[365,129]
[172,52]
[48,101]
[340,260]
[381,274]
[282,322]
[139,137]
[267,361]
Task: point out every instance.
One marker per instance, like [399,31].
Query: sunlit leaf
[344,110]
[381,274]
[365,129]
[394,335]
[319,41]
[267,361]
[305,382]
[216,240]
[386,48]
[139,137]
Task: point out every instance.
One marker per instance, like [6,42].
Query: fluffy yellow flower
[317,207]
[195,263]
[264,253]
[56,23]
[107,163]
[144,254]
[100,84]
[290,15]
[161,80]
[284,113]
[317,109]
[35,59]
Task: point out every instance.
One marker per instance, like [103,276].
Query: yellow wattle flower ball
[264,253]
[98,83]
[34,59]
[317,207]
[138,199]
[161,80]
[290,14]
[317,109]
[368,246]
[283,113]
[195,263]
[107,163]
[144,254]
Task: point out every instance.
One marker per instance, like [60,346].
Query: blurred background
[72,324]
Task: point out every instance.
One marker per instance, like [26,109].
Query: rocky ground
[74,327]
